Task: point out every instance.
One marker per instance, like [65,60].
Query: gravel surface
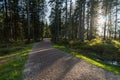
[48,63]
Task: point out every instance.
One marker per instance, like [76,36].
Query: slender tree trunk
[109,25]
[71,31]
[80,16]
[66,22]
[6,10]
[83,22]
[116,16]
[105,24]
[88,21]
[5,29]
[119,34]
[28,17]
[92,19]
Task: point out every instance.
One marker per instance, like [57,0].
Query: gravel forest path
[48,63]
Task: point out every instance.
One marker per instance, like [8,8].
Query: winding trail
[48,63]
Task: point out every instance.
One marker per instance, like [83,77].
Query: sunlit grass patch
[12,69]
[95,41]
[116,43]
[101,64]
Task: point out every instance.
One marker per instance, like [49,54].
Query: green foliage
[63,41]
[101,49]
[12,43]
[12,68]
[4,51]
[47,33]
[77,44]
[101,64]
[106,50]
[11,47]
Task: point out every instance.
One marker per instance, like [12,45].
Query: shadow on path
[48,63]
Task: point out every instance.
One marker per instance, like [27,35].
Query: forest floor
[48,63]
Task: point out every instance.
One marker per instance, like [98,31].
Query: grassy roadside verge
[12,68]
[108,67]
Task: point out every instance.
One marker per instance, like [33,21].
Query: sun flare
[101,20]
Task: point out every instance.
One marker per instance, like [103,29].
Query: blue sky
[1,3]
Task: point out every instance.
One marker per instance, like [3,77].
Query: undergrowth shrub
[12,44]
[77,44]
[106,50]
[5,51]
[63,41]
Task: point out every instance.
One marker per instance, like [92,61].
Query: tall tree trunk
[119,34]
[28,17]
[80,16]
[82,30]
[71,27]
[92,19]
[5,29]
[116,16]
[109,25]
[105,23]
[66,21]
[6,10]
[88,20]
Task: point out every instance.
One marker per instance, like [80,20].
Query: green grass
[101,64]
[12,68]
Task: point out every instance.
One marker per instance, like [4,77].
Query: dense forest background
[21,20]
[85,19]
[69,19]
